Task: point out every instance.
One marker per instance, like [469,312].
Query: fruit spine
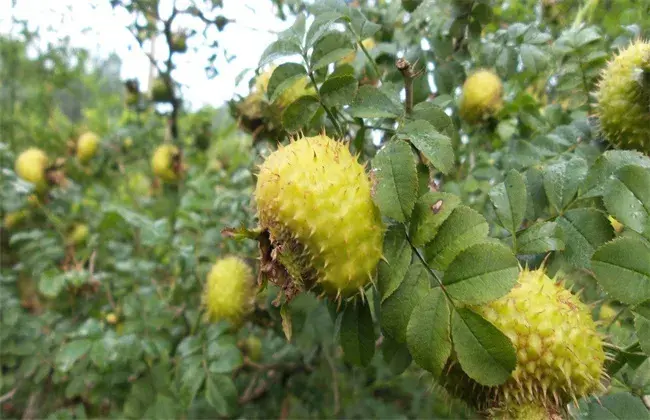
[314,199]
[229,290]
[624,98]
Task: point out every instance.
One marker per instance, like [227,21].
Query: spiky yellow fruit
[482,96]
[368,44]
[315,200]
[165,162]
[624,98]
[87,146]
[229,290]
[560,353]
[31,166]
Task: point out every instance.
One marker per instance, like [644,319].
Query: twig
[409,75]
[9,395]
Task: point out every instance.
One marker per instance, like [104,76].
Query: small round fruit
[624,98]
[127,143]
[31,166]
[607,313]
[179,42]
[482,96]
[368,44]
[560,353]
[165,163]
[160,92]
[78,234]
[111,318]
[14,218]
[87,146]
[253,347]
[229,290]
[314,199]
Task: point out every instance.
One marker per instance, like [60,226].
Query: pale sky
[94,25]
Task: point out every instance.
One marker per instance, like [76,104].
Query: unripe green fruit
[560,353]
[160,92]
[482,96]
[165,162]
[253,348]
[31,166]
[229,291]
[14,218]
[78,234]
[87,146]
[314,199]
[179,42]
[624,98]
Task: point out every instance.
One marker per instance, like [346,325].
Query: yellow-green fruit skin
[313,192]
[527,411]
[624,98]
[87,146]
[482,96]
[229,290]
[14,218]
[31,166]
[162,162]
[78,234]
[560,353]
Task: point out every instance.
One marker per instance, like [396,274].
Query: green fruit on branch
[624,98]
[179,42]
[229,291]
[32,165]
[253,347]
[87,146]
[160,92]
[78,234]
[368,44]
[482,96]
[261,116]
[314,199]
[166,163]
[14,218]
[560,353]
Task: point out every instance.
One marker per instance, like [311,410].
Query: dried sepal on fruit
[229,291]
[324,230]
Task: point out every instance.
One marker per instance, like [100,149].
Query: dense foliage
[163,262]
